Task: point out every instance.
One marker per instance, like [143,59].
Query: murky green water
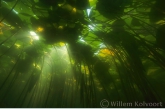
[82,53]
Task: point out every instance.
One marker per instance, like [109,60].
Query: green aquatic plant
[70,53]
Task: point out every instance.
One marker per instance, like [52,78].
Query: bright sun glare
[34,35]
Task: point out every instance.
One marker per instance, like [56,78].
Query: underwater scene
[82,53]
